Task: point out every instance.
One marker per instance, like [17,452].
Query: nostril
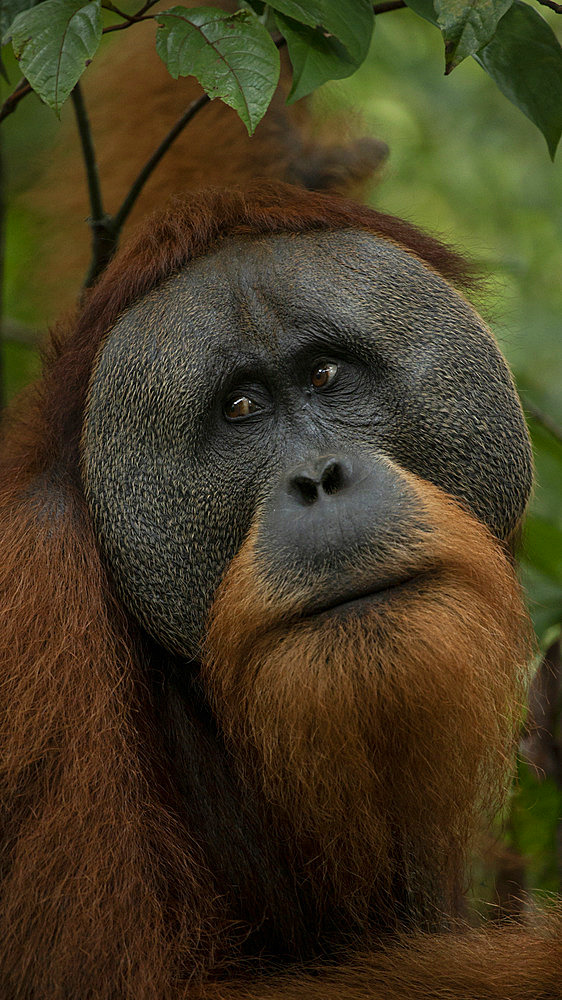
[333,479]
[322,477]
[306,489]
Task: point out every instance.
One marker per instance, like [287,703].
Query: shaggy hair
[378,738]
[104,892]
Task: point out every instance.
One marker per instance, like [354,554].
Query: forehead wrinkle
[260,321]
[304,275]
[258,313]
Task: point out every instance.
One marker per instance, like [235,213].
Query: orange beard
[378,739]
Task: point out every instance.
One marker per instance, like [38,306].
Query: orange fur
[92,854]
[510,963]
[333,720]
[104,891]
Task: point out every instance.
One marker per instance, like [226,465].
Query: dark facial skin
[270,383]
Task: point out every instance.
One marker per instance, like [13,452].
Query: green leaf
[315,57]
[351,23]
[423,8]
[467,27]
[232,56]
[8,11]
[524,59]
[53,43]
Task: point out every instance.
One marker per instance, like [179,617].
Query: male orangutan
[263,649]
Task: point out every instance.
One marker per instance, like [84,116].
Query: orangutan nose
[325,477]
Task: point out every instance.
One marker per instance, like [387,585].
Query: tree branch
[147,6]
[10,104]
[104,233]
[384,8]
[88,154]
[136,19]
[553,6]
[138,14]
[123,212]
[106,229]
[107,5]
[137,186]
[24,88]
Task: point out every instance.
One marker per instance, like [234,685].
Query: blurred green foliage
[467,165]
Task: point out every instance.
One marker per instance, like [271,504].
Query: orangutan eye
[323,374]
[237,407]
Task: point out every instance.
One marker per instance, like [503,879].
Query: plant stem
[105,228]
[557,7]
[104,233]
[10,104]
[137,186]
[388,5]
[88,153]
[127,24]
[145,7]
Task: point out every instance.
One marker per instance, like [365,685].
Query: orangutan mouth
[359,603]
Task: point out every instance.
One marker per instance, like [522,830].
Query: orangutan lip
[356,603]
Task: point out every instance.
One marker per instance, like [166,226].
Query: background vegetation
[466,164]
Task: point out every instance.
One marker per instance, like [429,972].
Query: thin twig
[147,6]
[104,234]
[137,186]
[553,6]
[115,10]
[88,154]
[127,24]
[108,5]
[10,104]
[110,227]
[383,8]
[544,420]
[125,208]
